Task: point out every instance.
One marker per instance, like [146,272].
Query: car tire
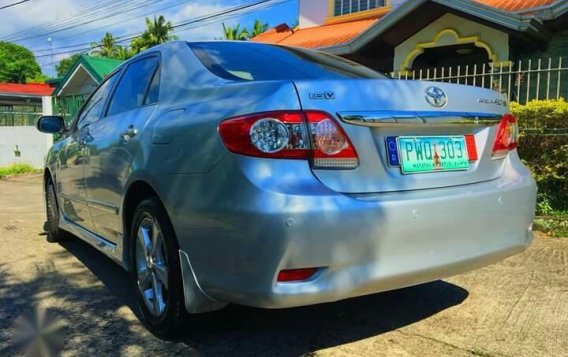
[51,227]
[154,248]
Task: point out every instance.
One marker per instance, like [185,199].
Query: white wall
[313,12]
[32,144]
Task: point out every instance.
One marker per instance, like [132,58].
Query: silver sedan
[225,172]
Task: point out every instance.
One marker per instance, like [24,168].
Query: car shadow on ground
[239,330]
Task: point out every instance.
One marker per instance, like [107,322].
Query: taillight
[280,135]
[285,135]
[331,146]
[506,138]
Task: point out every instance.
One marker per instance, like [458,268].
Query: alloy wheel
[151,266]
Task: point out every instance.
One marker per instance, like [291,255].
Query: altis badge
[500,102]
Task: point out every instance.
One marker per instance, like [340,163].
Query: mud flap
[196,301]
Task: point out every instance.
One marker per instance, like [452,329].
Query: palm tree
[157,32]
[106,48]
[124,53]
[258,28]
[236,33]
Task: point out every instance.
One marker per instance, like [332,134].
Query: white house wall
[313,12]
[32,144]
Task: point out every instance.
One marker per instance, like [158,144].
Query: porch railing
[522,81]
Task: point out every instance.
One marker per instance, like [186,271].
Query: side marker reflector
[471,148]
[295,275]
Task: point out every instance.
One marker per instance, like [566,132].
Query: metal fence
[522,81]
[15,115]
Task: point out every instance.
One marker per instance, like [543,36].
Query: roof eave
[548,12]
[93,71]
[65,79]
[70,75]
[559,8]
[23,95]
[516,22]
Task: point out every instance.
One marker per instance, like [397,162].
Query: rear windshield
[258,62]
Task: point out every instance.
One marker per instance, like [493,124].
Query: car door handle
[128,134]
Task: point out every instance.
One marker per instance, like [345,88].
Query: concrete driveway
[516,308]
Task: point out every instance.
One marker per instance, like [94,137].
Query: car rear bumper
[362,244]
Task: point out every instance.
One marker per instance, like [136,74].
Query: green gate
[68,106]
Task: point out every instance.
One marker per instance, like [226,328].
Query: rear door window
[133,87]
[241,61]
[154,90]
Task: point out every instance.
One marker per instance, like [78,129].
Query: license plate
[420,154]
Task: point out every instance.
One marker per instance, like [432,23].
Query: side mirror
[51,124]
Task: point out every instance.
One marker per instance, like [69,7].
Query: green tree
[106,48]
[39,78]
[124,53]
[236,33]
[258,28]
[157,31]
[17,63]
[65,64]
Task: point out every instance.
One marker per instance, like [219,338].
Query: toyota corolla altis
[269,176]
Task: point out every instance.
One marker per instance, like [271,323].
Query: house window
[344,7]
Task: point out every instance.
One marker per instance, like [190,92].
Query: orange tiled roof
[319,36]
[515,5]
[274,35]
[339,33]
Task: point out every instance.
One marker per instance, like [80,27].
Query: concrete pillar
[47,109]
[47,105]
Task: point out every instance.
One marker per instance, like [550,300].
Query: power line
[117,10]
[178,27]
[96,13]
[267,6]
[111,24]
[13,4]
[125,38]
[60,21]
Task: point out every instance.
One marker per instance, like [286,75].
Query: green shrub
[555,224]
[543,146]
[543,115]
[16,169]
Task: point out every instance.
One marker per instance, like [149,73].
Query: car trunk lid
[373,113]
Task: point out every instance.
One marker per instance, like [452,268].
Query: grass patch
[17,169]
[555,224]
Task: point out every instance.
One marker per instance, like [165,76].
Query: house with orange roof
[410,35]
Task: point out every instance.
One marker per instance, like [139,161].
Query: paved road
[516,308]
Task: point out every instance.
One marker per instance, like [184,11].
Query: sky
[55,29]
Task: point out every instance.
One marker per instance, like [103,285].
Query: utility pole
[50,42]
